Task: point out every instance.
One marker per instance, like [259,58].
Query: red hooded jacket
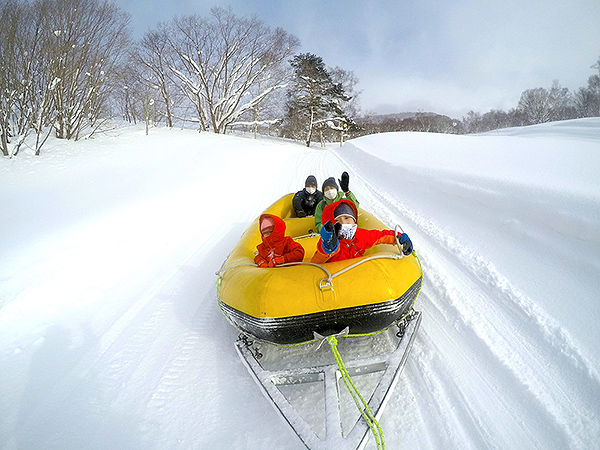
[355,247]
[277,248]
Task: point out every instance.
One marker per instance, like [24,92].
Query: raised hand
[329,236]
[344,182]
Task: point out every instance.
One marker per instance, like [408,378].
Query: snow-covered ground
[110,334]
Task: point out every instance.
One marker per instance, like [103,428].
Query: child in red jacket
[344,240]
[276,248]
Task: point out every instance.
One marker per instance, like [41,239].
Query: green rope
[360,402]
[419,261]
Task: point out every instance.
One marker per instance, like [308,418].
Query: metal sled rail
[273,381]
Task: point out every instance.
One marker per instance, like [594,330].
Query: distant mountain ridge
[377,118]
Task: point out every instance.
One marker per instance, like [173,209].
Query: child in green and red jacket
[332,193]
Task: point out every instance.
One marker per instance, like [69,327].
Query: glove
[261,262]
[406,243]
[344,182]
[300,213]
[329,236]
[276,261]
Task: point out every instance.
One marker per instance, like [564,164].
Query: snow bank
[110,336]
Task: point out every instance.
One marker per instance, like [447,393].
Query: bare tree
[126,97]
[59,62]
[536,104]
[594,84]
[542,105]
[269,110]
[561,102]
[152,58]
[228,65]
[587,99]
[85,42]
[18,54]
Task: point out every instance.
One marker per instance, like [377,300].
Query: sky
[445,56]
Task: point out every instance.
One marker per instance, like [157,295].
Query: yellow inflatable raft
[286,304]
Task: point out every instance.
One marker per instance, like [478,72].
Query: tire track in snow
[392,210]
[510,324]
[518,328]
[114,373]
[493,398]
[207,350]
[175,386]
[197,377]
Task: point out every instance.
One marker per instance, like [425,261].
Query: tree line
[535,106]
[540,105]
[67,66]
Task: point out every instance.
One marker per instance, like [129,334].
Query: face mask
[311,190]
[348,230]
[331,194]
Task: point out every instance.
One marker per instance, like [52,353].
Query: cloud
[483,55]
[434,55]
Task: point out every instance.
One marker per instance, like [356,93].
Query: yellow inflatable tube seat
[285,304]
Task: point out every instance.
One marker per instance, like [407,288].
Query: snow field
[110,334]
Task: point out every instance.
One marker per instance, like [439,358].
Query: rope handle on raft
[325,283]
[328,282]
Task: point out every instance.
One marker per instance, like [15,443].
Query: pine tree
[314,100]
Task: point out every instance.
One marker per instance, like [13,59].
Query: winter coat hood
[328,212]
[278,229]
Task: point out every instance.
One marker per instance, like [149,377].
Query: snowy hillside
[110,334]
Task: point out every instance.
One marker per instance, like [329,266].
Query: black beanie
[343,209]
[330,182]
[310,181]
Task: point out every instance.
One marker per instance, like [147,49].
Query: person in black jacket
[306,200]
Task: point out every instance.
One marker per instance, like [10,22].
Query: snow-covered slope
[110,336]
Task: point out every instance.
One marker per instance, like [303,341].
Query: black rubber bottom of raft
[297,329]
